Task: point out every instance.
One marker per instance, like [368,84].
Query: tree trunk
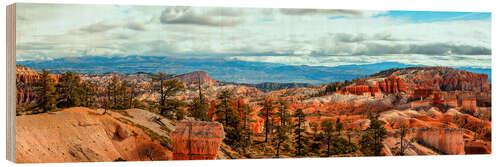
[278,150]
[328,147]
[267,124]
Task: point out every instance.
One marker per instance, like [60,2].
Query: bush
[342,146]
[119,159]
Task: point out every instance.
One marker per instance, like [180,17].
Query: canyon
[448,111]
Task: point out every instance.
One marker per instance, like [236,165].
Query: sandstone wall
[447,141]
[196,140]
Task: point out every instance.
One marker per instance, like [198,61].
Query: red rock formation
[375,90]
[469,104]
[421,93]
[25,81]
[448,141]
[196,140]
[195,77]
[392,84]
[477,147]
[444,78]
[358,89]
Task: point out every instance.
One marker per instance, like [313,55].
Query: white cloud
[297,36]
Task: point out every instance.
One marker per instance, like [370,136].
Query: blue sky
[315,37]
[436,16]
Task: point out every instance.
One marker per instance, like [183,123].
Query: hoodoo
[197,140]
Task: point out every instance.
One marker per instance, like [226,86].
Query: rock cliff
[441,78]
[448,141]
[194,140]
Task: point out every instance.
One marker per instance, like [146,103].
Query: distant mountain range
[235,71]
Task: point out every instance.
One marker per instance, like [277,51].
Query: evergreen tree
[226,114]
[247,131]
[107,97]
[174,107]
[71,92]
[403,145]
[223,109]
[115,89]
[299,131]
[371,141]
[266,111]
[198,110]
[327,127]
[89,94]
[339,126]
[47,92]
[281,136]
[282,129]
[167,88]
[283,113]
[132,94]
[317,138]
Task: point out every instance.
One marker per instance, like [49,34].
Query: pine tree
[226,114]
[70,90]
[247,131]
[371,141]
[167,88]
[132,94]
[47,92]
[339,126]
[300,139]
[327,127]
[223,108]
[266,111]
[403,145]
[89,94]
[198,108]
[281,136]
[282,129]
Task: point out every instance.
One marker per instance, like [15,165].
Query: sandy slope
[80,134]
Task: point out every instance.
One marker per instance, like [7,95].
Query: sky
[314,37]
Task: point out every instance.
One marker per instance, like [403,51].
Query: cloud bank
[289,36]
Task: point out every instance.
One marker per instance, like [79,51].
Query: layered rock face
[392,84]
[196,140]
[443,78]
[448,141]
[82,135]
[478,147]
[25,82]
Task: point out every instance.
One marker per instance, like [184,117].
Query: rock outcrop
[25,82]
[447,141]
[196,77]
[441,78]
[392,84]
[477,147]
[196,140]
